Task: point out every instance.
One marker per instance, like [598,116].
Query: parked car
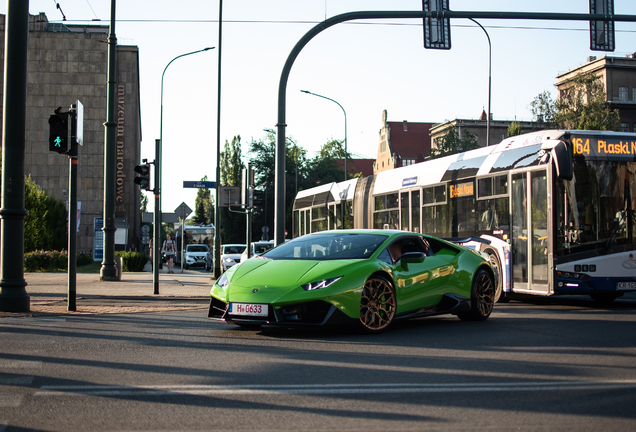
[231,255]
[195,255]
[365,277]
[258,248]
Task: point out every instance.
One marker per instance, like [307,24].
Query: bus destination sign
[606,147]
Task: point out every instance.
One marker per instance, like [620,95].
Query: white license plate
[249,309]
[626,286]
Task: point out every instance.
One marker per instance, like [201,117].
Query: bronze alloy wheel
[485,294]
[378,304]
[482,298]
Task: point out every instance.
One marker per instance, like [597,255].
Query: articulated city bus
[553,209]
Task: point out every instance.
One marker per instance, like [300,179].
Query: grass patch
[93,267]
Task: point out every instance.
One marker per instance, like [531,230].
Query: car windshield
[331,246]
[259,248]
[233,249]
[197,248]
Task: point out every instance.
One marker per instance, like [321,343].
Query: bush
[84,258]
[45,225]
[49,261]
[132,261]
[45,261]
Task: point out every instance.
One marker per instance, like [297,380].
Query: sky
[366,66]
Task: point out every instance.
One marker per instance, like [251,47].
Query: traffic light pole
[72,214]
[156,258]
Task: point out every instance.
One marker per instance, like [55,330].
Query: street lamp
[158,171]
[345,117]
[489,80]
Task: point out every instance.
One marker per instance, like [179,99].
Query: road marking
[10,400]
[318,389]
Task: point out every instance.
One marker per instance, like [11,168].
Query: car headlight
[222,281]
[320,284]
[229,260]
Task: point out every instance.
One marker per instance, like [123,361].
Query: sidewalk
[48,293]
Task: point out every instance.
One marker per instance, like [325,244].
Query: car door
[419,285]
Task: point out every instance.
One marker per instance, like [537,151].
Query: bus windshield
[595,208]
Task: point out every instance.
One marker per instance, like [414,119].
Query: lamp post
[158,168]
[345,117]
[489,80]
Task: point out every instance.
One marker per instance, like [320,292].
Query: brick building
[68,63]
[401,144]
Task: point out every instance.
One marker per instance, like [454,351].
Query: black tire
[604,298]
[497,269]
[481,297]
[378,305]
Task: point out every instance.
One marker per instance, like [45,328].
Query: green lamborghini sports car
[366,277]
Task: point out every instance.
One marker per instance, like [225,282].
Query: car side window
[385,256]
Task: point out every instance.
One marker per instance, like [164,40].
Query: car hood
[258,272]
[197,254]
[233,256]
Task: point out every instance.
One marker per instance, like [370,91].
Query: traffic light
[143,179]
[255,200]
[58,133]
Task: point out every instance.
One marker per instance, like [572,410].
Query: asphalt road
[553,364]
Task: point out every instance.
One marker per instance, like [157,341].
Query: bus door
[410,209]
[530,233]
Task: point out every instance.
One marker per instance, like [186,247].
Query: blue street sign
[199,184]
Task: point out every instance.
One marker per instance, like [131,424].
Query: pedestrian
[169,248]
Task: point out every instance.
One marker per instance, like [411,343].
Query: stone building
[67,63]
[498,129]
[618,75]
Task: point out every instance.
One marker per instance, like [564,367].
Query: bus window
[386,212]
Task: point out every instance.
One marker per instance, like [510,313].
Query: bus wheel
[498,270]
[605,298]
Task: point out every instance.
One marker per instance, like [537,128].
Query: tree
[324,167]
[452,143]
[203,206]
[232,229]
[514,129]
[45,223]
[582,105]
[544,108]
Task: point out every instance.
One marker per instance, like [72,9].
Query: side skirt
[450,303]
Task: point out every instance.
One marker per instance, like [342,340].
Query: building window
[624,127]
[407,162]
[633,94]
[622,94]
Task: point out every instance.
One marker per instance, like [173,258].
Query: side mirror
[412,258]
[562,154]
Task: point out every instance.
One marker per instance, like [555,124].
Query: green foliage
[232,228]
[514,129]
[132,261]
[452,143]
[45,225]
[49,261]
[544,108]
[231,163]
[582,105]
[203,206]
